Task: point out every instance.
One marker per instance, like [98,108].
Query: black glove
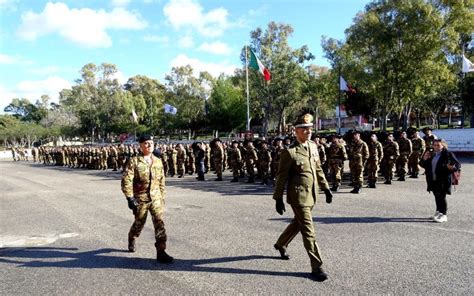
[132,203]
[280,206]
[328,195]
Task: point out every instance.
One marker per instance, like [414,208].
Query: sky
[44,44]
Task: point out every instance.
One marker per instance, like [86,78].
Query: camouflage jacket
[144,182]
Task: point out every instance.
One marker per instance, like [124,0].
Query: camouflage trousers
[155,208]
[389,165]
[402,165]
[336,167]
[264,171]
[413,160]
[357,176]
[372,170]
[180,167]
[236,169]
[218,166]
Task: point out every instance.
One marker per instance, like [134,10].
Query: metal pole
[339,105]
[247,88]
[463,75]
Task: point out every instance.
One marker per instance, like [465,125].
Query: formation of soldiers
[368,154]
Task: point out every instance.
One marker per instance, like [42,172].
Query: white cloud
[8,5]
[122,79]
[48,70]
[186,42]
[120,3]
[13,60]
[215,69]
[83,26]
[157,39]
[33,90]
[190,14]
[216,48]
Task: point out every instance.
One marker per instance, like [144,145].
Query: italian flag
[257,65]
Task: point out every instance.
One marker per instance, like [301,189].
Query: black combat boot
[319,275]
[356,190]
[236,179]
[251,180]
[131,245]
[388,182]
[218,179]
[283,254]
[335,188]
[161,255]
[401,178]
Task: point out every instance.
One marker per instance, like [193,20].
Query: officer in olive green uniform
[390,155]
[418,145]
[143,183]
[358,155]
[373,163]
[300,172]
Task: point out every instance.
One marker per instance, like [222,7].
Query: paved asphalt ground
[64,232]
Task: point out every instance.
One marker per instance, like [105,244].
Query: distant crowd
[371,154]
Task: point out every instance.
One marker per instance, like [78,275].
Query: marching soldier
[277,149]
[143,184]
[190,162]
[336,157]
[405,149]
[300,172]
[358,155]
[418,145]
[390,155]
[373,163]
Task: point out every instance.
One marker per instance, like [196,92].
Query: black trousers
[441,202]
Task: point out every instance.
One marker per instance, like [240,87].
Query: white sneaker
[436,214]
[441,218]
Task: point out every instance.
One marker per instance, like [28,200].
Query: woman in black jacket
[439,166]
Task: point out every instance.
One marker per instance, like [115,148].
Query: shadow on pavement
[342,220]
[104,258]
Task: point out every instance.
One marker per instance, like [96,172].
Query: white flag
[343,84]
[170,109]
[135,116]
[467,65]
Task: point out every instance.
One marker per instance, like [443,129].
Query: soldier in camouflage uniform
[373,163]
[336,157]
[143,184]
[207,157]
[390,155]
[321,152]
[358,155]
[250,160]
[418,145]
[429,138]
[405,149]
[172,155]
[235,161]
[276,153]
[265,159]
[114,156]
[180,160]
[218,158]
[191,159]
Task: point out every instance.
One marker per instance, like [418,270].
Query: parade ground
[64,232]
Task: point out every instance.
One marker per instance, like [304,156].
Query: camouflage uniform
[276,160]
[373,163]
[218,157]
[265,159]
[180,160]
[405,149]
[250,160]
[336,157]
[358,155]
[390,155]
[235,163]
[191,168]
[172,155]
[147,185]
[418,145]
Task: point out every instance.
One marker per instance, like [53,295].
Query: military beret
[144,138]
[305,120]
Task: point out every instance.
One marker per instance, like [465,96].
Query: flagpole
[463,86]
[247,88]
[339,105]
